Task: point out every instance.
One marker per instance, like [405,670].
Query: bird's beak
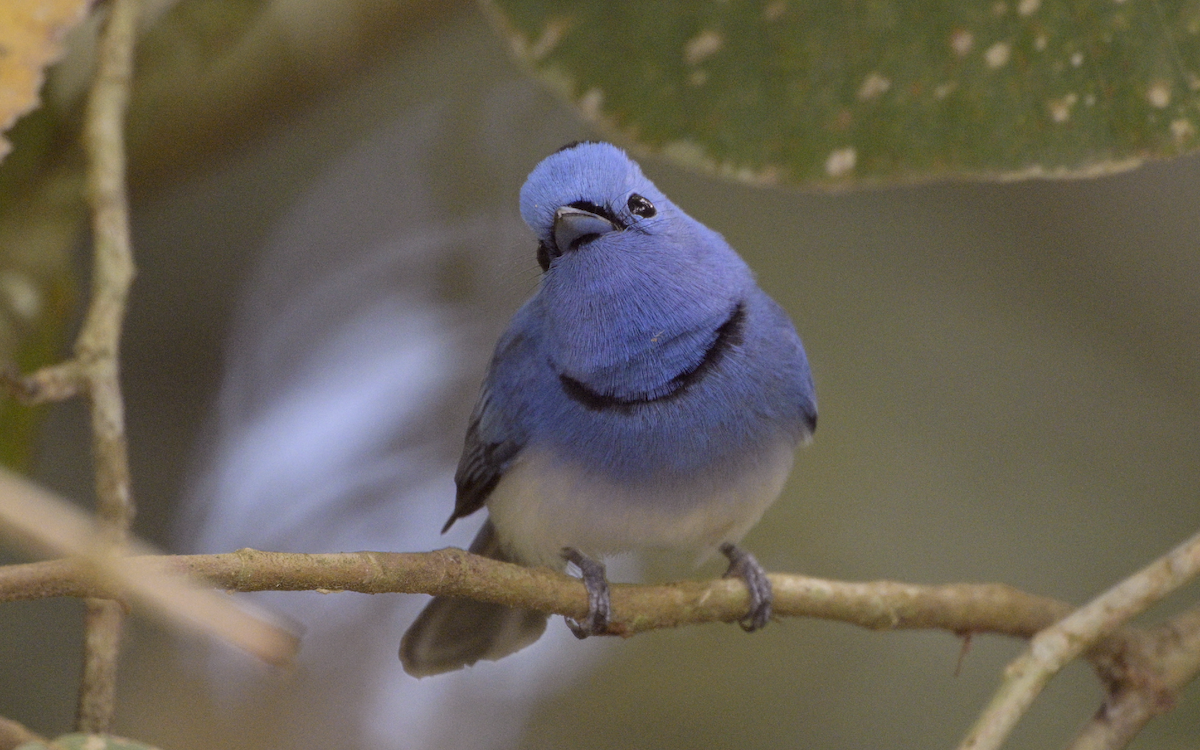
[574,227]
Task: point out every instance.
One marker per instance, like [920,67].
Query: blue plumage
[649,394]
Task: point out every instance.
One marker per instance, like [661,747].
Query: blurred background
[1008,376]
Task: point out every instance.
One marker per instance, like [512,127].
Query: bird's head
[586,191]
[633,287]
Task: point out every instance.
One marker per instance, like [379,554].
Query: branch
[1175,647]
[879,605]
[94,368]
[1135,672]
[1054,647]
[112,270]
[97,345]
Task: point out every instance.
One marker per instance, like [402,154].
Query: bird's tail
[453,633]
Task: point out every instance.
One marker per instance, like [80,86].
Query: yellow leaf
[31,34]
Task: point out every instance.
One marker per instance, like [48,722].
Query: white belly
[542,505]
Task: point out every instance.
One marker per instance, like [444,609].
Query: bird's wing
[486,455]
[494,437]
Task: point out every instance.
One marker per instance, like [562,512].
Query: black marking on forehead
[573,144]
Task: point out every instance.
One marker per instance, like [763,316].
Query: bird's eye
[639,206]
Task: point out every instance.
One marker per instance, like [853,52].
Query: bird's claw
[743,565]
[599,605]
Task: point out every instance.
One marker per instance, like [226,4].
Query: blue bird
[648,395]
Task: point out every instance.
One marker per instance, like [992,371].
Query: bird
[648,395]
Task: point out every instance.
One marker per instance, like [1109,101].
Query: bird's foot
[596,583]
[743,565]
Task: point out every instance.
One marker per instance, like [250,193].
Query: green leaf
[875,91]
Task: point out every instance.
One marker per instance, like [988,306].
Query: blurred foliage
[214,74]
[39,205]
[875,92]
[211,75]
[41,217]
[43,345]
[86,742]
[31,33]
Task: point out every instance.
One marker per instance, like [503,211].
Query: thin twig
[96,349]
[57,382]
[97,346]
[1054,647]
[1175,651]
